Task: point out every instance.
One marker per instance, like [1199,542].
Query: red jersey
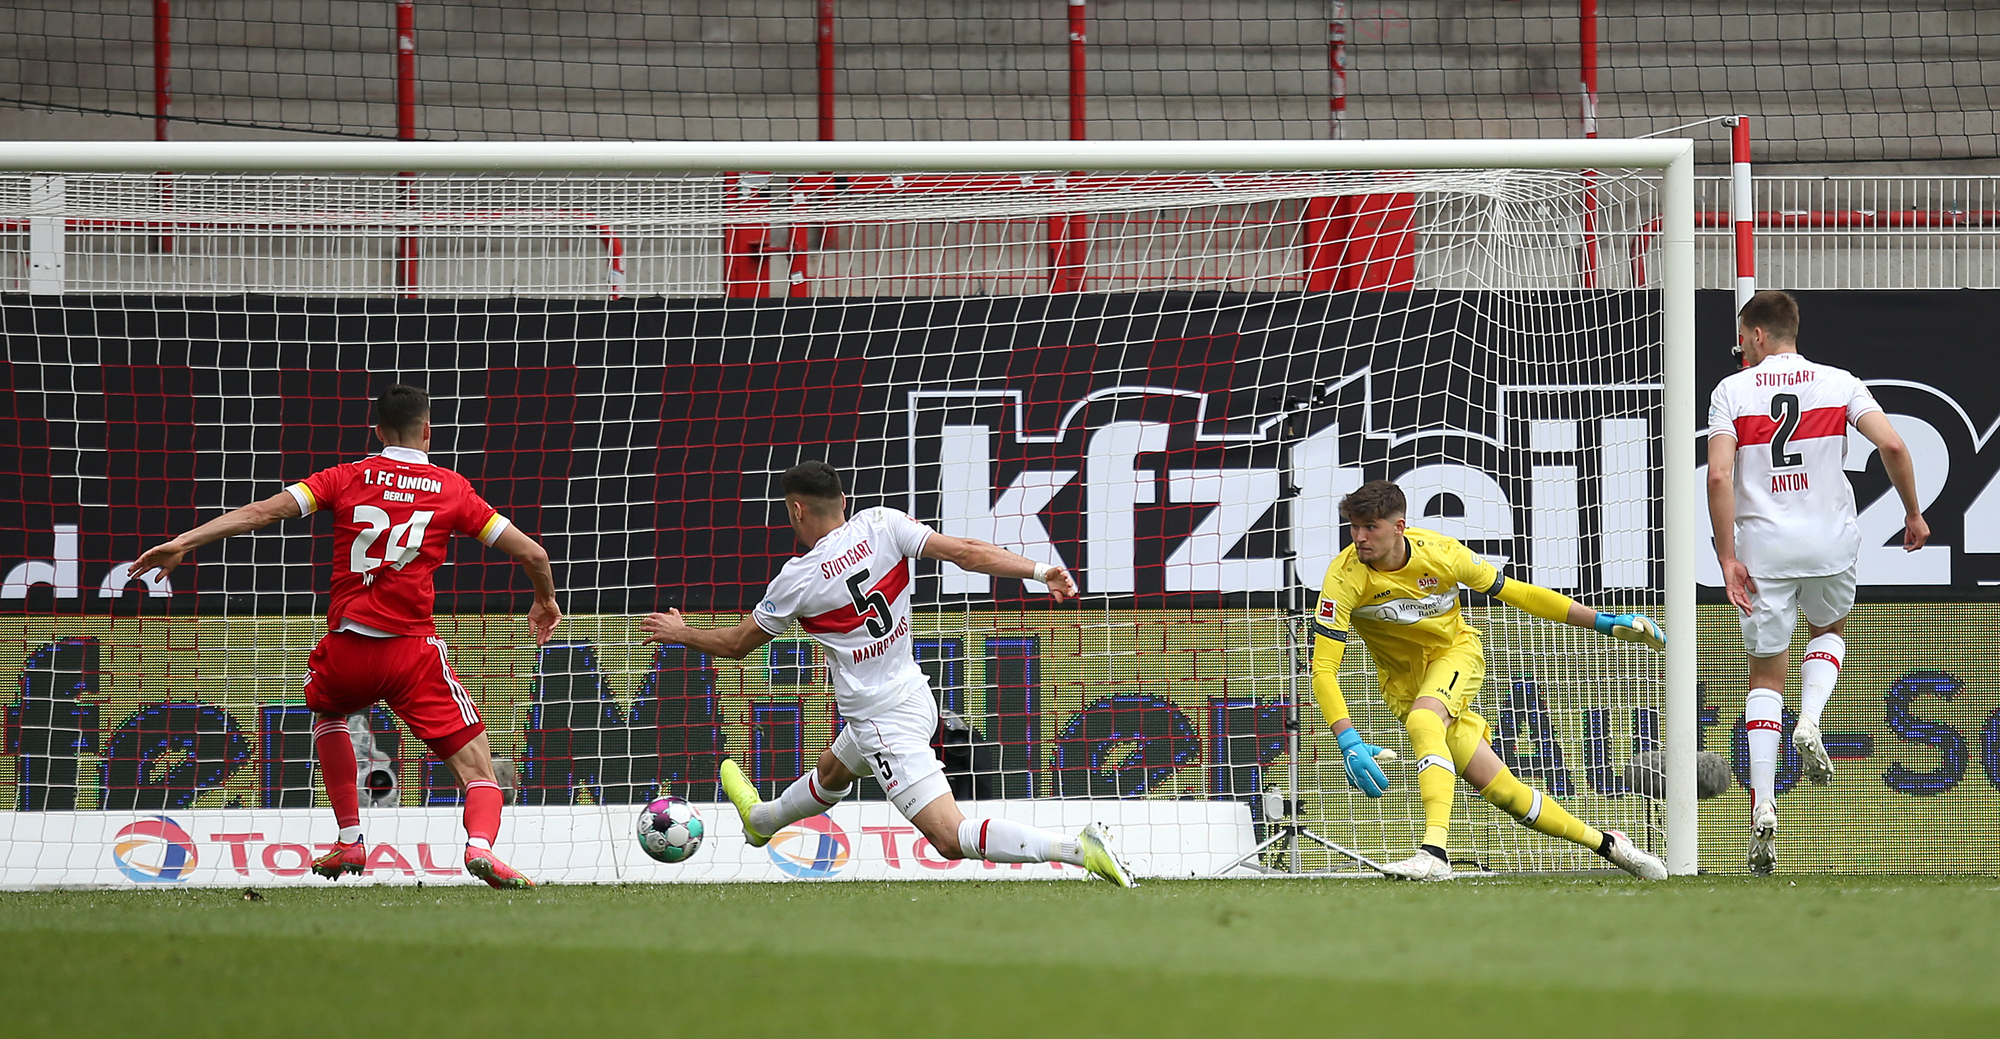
[392,515]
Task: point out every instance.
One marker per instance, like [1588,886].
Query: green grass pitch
[1819,956]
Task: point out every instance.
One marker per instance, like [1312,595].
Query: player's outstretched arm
[1555,606]
[1902,473]
[544,615]
[982,557]
[670,628]
[169,554]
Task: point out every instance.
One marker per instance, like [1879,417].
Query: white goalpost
[1159,364]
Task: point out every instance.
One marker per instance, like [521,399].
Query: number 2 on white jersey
[405,539]
[1785,412]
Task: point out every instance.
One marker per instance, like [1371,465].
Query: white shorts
[1775,606]
[895,748]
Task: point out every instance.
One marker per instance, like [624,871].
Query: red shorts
[347,672]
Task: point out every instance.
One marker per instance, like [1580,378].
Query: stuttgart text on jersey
[832,568]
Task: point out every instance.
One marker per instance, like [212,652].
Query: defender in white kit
[850,590]
[1785,534]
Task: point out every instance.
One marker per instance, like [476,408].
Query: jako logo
[153,851]
[810,849]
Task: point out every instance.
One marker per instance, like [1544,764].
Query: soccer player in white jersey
[850,590]
[1783,515]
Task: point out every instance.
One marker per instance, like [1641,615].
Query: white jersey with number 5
[851,592]
[1794,506]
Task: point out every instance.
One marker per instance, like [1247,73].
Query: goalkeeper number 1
[1397,587]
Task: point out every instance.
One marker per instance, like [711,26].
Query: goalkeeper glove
[1632,627]
[1363,773]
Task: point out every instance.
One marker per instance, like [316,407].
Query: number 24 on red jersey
[393,515]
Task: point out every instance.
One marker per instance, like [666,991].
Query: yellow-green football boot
[1100,860]
[744,797]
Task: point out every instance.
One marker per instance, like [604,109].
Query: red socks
[482,812]
[337,771]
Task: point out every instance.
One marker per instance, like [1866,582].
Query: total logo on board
[154,851]
[811,849]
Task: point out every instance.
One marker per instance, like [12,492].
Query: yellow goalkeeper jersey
[1409,616]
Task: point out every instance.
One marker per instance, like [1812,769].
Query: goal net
[1163,379]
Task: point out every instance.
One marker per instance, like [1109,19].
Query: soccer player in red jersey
[393,513]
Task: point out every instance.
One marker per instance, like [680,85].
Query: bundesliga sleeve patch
[1326,609]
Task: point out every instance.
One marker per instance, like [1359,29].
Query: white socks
[994,840]
[999,840]
[803,799]
[349,834]
[1764,716]
[1817,674]
[1764,710]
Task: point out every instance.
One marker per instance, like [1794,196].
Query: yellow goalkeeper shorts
[1453,677]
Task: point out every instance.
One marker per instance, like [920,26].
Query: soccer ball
[669,829]
[1646,774]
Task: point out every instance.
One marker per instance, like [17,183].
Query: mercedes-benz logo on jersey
[1408,611]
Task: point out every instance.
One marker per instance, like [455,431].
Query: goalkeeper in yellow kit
[1397,587]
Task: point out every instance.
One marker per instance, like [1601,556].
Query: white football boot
[1763,856]
[1813,759]
[1421,866]
[1628,857]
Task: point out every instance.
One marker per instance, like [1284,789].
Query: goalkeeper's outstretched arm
[1555,606]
